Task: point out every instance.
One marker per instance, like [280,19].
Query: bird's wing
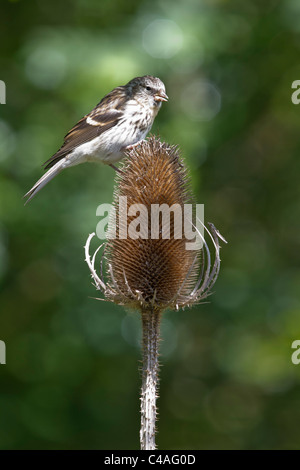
[105,115]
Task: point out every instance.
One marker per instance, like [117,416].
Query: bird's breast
[132,127]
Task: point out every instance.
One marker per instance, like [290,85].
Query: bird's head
[149,90]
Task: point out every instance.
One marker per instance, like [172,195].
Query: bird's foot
[131,147]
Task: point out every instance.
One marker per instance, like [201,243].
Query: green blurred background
[227,380]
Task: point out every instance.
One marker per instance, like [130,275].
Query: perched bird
[121,120]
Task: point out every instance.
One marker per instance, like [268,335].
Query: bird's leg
[115,168]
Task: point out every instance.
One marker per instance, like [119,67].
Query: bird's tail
[54,170]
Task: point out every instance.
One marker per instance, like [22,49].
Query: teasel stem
[150,380]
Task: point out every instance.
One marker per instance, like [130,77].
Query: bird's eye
[148,88]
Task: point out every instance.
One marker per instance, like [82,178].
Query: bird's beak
[161,96]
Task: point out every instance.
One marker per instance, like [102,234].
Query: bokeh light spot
[201,100]
[162,39]
[46,67]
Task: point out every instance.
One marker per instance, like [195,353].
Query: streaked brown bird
[121,120]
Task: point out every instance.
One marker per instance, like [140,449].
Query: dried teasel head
[148,270]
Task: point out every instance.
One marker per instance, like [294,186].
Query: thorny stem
[149,391]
